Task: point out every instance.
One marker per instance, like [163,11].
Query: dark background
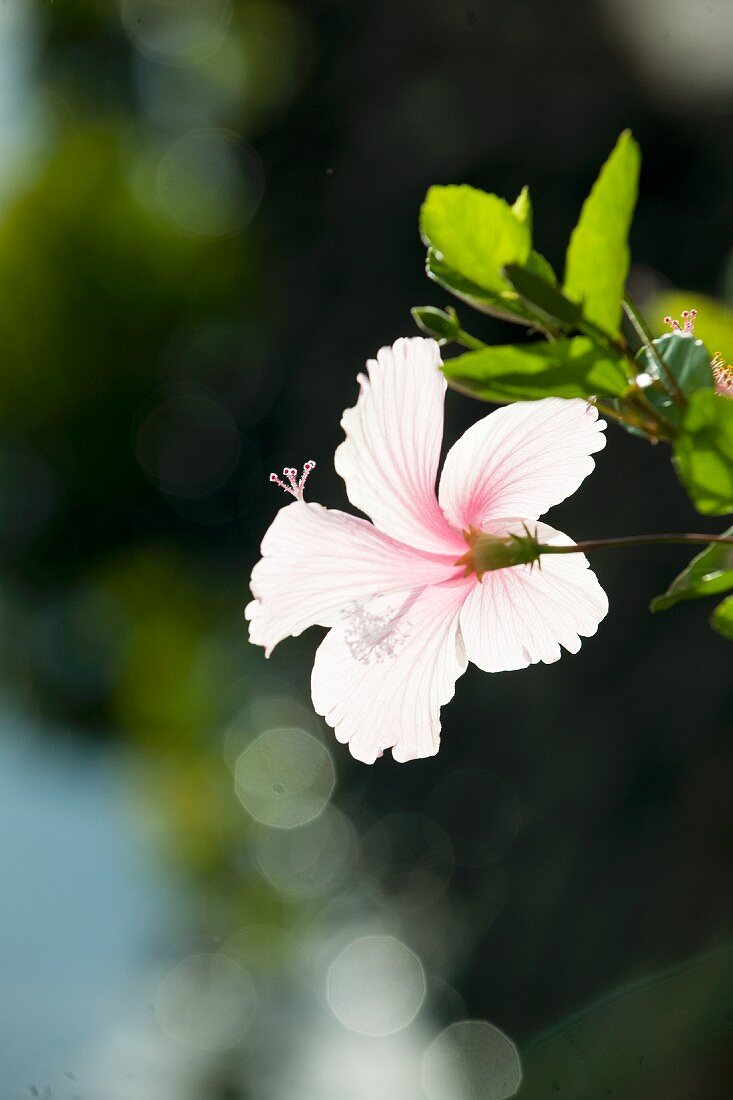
[139,338]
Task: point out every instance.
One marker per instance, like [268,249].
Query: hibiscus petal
[381,675]
[518,616]
[317,562]
[389,459]
[520,460]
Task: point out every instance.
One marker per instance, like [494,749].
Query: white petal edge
[520,460]
[519,616]
[382,674]
[317,563]
[389,459]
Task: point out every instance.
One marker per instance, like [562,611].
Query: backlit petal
[389,459]
[520,460]
[317,562]
[518,616]
[382,674]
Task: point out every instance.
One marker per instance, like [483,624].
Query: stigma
[294,487]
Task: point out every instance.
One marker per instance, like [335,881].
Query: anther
[687,328]
[294,487]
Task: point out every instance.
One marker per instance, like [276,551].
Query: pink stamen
[723,375]
[687,328]
[294,487]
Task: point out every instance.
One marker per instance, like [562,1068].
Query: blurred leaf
[708,574]
[441,324]
[96,286]
[598,253]
[504,304]
[164,693]
[713,324]
[704,452]
[563,368]
[549,302]
[722,618]
[640,1042]
[476,233]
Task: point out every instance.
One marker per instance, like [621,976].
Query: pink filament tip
[294,487]
[688,326]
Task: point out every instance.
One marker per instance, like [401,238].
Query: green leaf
[722,618]
[640,1041]
[563,368]
[713,324]
[708,574]
[542,297]
[704,452]
[538,265]
[442,325]
[687,360]
[598,253]
[505,305]
[475,233]
[522,208]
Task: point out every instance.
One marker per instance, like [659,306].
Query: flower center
[376,635]
[295,487]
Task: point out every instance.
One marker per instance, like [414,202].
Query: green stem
[654,424]
[642,330]
[635,540]
[624,418]
[657,427]
[468,341]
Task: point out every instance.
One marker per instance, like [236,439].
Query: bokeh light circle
[207,1001]
[376,986]
[209,183]
[309,861]
[471,1060]
[176,32]
[285,778]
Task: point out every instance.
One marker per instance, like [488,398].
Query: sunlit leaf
[563,368]
[476,233]
[704,452]
[522,208]
[504,304]
[708,574]
[722,618]
[598,253]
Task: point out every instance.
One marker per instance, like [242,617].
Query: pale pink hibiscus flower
[406,610]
